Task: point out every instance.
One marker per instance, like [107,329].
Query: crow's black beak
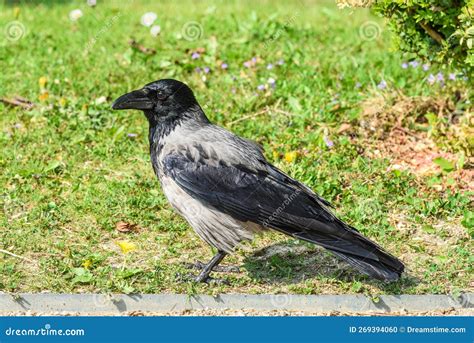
[137,100]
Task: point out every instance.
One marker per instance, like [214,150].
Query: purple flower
[404,65]
[358,85]
[414,64]
[426,67]
[452,76]
[431,79]
[247,64]
[197,70]
[132,135]
[382,84]
[224,65]
[271,81]
[207,70]
[261,87]
[280,62]
[269,66]
[254,59]
[329,143]
[195,55]
[440,77]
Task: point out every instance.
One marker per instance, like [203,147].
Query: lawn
[319,88]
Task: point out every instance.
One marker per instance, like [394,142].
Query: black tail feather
[378,270]
[360,252]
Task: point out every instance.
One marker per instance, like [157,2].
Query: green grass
[70,170]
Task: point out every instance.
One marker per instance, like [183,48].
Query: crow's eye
[161,95]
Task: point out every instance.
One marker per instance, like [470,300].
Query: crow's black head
[162,98]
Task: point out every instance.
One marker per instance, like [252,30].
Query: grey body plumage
[224,187]
[209,145]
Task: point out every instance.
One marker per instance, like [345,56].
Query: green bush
[438,31]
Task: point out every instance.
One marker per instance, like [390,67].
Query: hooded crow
[227,191]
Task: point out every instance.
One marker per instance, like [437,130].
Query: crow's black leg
[217,269]
[204,274]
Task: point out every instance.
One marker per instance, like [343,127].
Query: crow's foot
[198,265]
[193,278]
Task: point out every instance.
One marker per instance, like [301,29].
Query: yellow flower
[16,12]
[43,96]
[290,156]
[42,81]
[126,246]
[62,102]
[275,155]
[87,263]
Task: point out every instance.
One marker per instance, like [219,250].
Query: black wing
[267,196]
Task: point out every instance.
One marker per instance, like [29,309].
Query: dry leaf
[126,227]
[198,50]
[344,127]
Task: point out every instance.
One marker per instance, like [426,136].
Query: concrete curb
[119,303]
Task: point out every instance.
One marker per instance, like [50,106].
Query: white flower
[148,19]
[75,14]
[100,100]
[155,30]
[92,3]
[271,81]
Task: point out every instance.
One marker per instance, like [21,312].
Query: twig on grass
[15,255]
[143,49]
[408,132]
[265,110]
[256,114]
[285,112]
[19,102]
